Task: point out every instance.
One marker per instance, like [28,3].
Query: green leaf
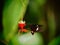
[12,13]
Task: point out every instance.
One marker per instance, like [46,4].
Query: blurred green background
[42,12]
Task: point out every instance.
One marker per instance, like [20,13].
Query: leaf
[12,13]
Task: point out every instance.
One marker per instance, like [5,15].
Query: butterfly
[34,27]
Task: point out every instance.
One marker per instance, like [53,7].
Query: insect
[21,25]
[35,28]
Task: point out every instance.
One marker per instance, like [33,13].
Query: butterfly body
[35,28]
